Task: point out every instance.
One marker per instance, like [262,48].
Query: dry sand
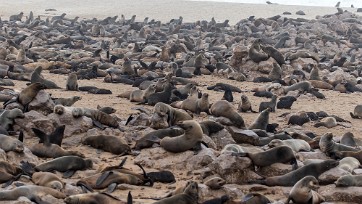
[163,10]
[336,103]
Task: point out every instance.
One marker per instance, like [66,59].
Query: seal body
[64,164]
[225,109]
[109,143]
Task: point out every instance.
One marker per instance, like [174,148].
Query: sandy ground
[163,10]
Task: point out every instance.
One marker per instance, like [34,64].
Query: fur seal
[271,104]
[32,192]
[281,154]
[174,115]
[327,122]
[9,143]
[300,86]
[349,164]
[106,109]
[314,73]
[142,96]
[329,147]
[189,196]
[276,73]
[7,117]
[298,119]
[245,105]
[29,93]
[221,200]
[303,192]
[95,198]
[210,127]
[291,178]
[215,183]
[55,137]
[108,143]
[36,77]
[357,112]
[349,140]
[96,116]
[297,145]
[67,101]
[262,121]
[67,164]
[286,102]
[193,134]
[228,95]
[47,179]
[349,180]
[148,140]
[197,105]
[72,83]
[255,198]
[275,54]
[163,96]
[227,110]
[9,172]
[255,53]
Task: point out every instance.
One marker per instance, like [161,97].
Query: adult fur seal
[36,77]
[280,154]
[32,192]
[189,196]
[297,145]
[262,121]
[255,53]
[197,105]
[303,192]
[142,95]
[271,104]
[9,143]
[29,93]
[357,112]
[47,179]
[148,140]
[188,140]
[67,164]
[329,147]
[95,198]
[291,178]
[109,143]
[7,117]
[163,96]
[72,83]
[174,115]
[227,110]
[221,200]
[349,180]
[96,115]
[300,86]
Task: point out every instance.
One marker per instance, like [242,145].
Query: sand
[335,103]
[163,10]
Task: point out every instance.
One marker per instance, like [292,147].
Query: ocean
[323,3]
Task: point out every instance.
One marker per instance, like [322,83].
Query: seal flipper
[11,181]
[129,119]
[56,137]
[154,139]
[40,134]
[21,136]
[129,198]
[103,177]
[68,173]
[147,179]
[84,186]
[98,124]
[111,187]
[261,181]
[122,163]
[27,168]
[38,200]
[294,164]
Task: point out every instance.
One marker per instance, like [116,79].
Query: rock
[14,105]
[232,169]
[209,142]
[27,155]
[276,169]
[34,119]
[266,66]
[107,131]
[243,136]
[332,175]
[236,60]
[141,119]
[42,103]
[357,171]
[311,155]
[158,158]
[3,155]
[300,12]
[203,158]
[301,63]
[158,122]
[222,138]
[233,191]
[72,125]
[333,194]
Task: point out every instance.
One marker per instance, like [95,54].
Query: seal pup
[107,143]
[7,117]
[67,164]
[72,82]
[47,179]
[276,73]
[142,96]
[349,180]
[215,183]
[357,112]
[9,143]
[32,192]
[303,192]
[106,109]
[97,116]
[349,140]
[262,121]
[255,198]
[271,104]
[227,110]
[328,122]
[228,95]
[329,147]
[148,140]
[245,105]
[193,135]
[291,178]
[189,196]
[298,119]
[67,101]
[297,145]
[173,115]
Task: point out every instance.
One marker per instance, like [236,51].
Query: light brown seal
[47,179]
[142,95]
[108,143]
[32,192]
[7,117]
[36,77]
[174,115]
[297,145]
[72,83]
[189,196]
[95,198]
[303,192]
[9,143]
[188,140]
[96,115]
[227,110]
[245,105]
[215,183]
[29,93]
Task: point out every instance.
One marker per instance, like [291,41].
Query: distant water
[324,3]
